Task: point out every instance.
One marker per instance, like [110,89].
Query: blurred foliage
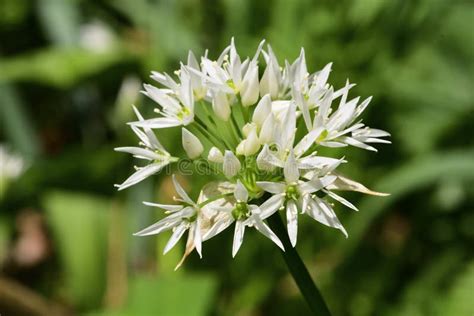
[69,70]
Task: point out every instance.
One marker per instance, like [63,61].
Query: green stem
[298,269]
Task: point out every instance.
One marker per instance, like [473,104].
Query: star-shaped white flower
[341,123]
[294,193]
[151,150]
[177,104]
[245,215]
[182,218]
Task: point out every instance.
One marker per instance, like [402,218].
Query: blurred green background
[69,71]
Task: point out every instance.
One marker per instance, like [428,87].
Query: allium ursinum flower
[245,215]
[295,194]
[260,136]
[151,149]
[182,218]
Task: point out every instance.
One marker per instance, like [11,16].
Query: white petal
[197,236]
[290,170]
[147,137]
[240,192]
[353,142]
[263,110]
[179,189]
[218,227]
[139,152]
[332,144]
[323,75]
[160,122]
[308,140]
[272,187]
[317,162]
[238,237]
[321,211]
[270,206]
[142,174]
[303,107]
[159,227]
[191,144]
[160,97]
[341,200]
[292,221]
[177,234]
[288,128]
[371,132]
[305,202]
[266,231]
[362,107]
[168,207]
[192,61]
[231,165]
[317,184]
[325,105]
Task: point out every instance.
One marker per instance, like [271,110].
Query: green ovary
[292,192]
[241,211]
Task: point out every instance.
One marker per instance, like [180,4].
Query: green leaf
[79,226]
[189,295]
[16,125]
[60,19]
[58,67]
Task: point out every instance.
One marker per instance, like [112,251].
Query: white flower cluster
[261,133]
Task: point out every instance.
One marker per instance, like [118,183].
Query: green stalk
[298,269]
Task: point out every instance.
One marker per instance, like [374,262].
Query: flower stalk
[298,270]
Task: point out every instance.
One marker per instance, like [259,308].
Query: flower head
[261,134]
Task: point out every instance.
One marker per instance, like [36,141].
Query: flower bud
[231,165]
[263,109]
[250,86]
[264,159]
[267,130]
[247,128]
[215,155]
[270,82]
[250,145]
[191,144]
[221,106]
[240,150]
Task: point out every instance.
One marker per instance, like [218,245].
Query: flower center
[292,192]
[323,136]
[241,211]
[183,113]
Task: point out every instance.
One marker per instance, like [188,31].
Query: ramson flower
[258,124]
[338,125]
[245,215]
[151,150]
[177,105]
[182,218]
[295,194]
